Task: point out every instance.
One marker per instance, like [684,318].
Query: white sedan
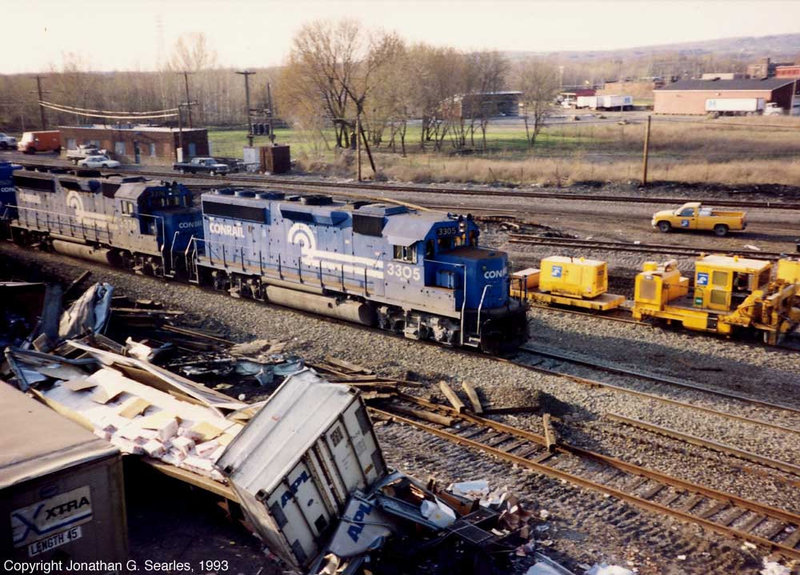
[98,162]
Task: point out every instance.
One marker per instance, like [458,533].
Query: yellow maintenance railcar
[574,282]
[729,293]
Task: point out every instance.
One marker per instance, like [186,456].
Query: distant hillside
[779,47]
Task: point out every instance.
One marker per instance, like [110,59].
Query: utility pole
[246,74]
[358,143]
[645,152]
[188,99]
[41,108]
[179,158]
[269,117]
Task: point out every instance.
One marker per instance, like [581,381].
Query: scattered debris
[89,313]
[774,568]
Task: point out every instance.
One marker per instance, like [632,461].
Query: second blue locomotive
[418,273]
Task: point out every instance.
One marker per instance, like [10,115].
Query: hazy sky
[127,35]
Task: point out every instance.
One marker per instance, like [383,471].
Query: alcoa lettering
[226,230]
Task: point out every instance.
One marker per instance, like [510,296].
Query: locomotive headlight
[462,226]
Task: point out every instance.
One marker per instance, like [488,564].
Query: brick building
[787,71]
[689,96]
[131,144]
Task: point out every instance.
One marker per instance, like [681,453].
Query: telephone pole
[41,108]
[646,152]
[247,74]
[188,99]
[269,117]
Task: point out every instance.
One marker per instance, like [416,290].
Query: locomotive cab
[479,280]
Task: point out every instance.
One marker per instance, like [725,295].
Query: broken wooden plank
[549,433]
[472,395]
[351,367]
[426,415]
[451,396]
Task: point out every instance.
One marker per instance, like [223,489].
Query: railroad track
[531,239]
[272,181]
[537,354]
[721,512]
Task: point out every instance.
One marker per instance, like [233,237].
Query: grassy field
[745,150]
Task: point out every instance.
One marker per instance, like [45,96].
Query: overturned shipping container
[295,464]
[61,488]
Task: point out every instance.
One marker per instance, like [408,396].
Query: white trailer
[299,459]
[614,102]
[609,102]
[735,106]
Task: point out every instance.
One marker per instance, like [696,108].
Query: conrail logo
[234,231]
[189,225]
[495,274]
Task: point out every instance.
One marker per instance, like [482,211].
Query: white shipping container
[586,102]
[734,104]
[297,461]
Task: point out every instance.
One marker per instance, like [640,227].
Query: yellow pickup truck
[693,216]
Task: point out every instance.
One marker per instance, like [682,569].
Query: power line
[65,110]
[77,109]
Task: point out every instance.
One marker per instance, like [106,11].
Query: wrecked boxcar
[294,469]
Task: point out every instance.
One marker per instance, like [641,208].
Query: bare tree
[539,82]
[192,53]
[335,66]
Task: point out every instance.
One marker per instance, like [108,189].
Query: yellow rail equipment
[729,293]
[573,282]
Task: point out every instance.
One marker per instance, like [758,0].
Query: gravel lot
[583,527]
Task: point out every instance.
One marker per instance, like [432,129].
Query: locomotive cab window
[406,253]
[430,247]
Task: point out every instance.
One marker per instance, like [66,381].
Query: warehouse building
[689,96]
[132,144]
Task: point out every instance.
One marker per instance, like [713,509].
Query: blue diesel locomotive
[129,222]
[418,273]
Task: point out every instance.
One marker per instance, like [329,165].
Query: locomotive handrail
[74,221]
[480,307]
[236,252]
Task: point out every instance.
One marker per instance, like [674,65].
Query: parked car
[98,162]
[7,142]
[209,166]
[84,151]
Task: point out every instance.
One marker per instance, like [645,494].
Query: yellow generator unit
[573,277]
[657,285]
[572,282]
